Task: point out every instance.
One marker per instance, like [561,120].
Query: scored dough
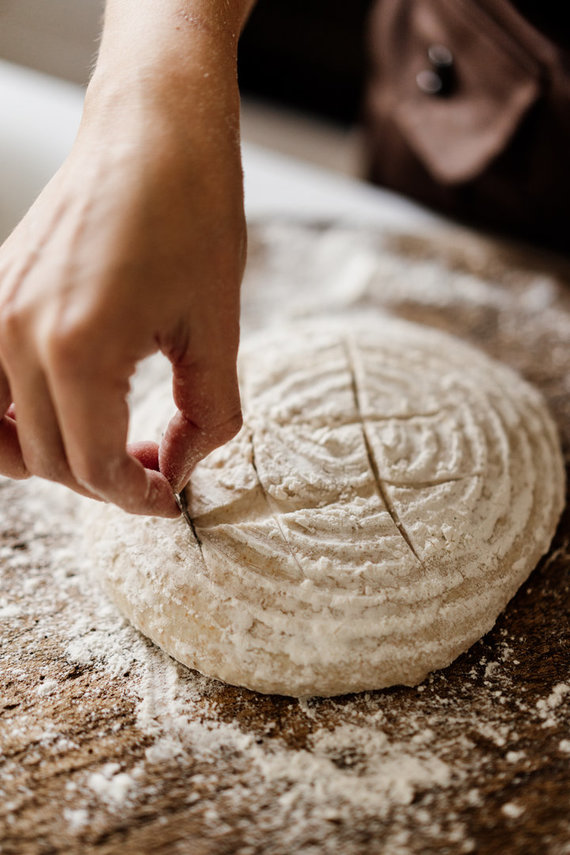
[390,490]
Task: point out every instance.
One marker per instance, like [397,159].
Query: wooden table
[109,746]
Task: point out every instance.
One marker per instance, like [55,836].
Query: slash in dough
[390,490]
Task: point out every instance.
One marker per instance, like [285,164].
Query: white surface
[282,186]
[55,36]
[39,120]
[40,116]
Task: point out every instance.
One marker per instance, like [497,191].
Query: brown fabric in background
[494,150]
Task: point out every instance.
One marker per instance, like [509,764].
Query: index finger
[93,414]
[209,414]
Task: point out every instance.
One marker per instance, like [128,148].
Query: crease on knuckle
[57,473]
[104,477]
[93,477]
[50,470]
[65,348]
[11,322]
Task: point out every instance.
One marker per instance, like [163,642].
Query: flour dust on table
[389,492]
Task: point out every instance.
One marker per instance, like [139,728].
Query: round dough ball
[390,490]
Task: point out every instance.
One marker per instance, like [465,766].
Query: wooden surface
[108,746]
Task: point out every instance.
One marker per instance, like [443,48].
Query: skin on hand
[136,245]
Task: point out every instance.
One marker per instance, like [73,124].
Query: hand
[136,245]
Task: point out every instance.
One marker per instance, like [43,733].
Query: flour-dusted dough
[390,490]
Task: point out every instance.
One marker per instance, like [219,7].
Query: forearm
[178,37]
[137,244]
[174,61]
[169,67]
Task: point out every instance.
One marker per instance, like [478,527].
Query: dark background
[307,54]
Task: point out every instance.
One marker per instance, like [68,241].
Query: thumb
[209,414]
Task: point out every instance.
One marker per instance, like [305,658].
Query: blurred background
[301,67]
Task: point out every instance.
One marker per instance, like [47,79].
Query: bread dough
[390,490]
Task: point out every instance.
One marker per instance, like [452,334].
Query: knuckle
[103,479]
[87,474]
[10,321]
[58,473]
[48,469]
[92,478]
[64,348]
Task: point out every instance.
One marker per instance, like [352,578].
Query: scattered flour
[111,785]
[547,707]
[359,771]
[76,819]
[401,766]
[512,810]
[554,699]
[9,611]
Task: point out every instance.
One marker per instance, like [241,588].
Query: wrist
[163,69]
[165,40]
[189,92]
[179,62]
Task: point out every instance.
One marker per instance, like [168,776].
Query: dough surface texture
[390,490]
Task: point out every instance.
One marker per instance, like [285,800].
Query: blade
[182,503]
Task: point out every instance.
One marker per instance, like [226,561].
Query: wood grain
[199,767]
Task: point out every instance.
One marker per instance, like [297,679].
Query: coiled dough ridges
[390,490]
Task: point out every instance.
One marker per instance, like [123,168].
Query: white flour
[388,773]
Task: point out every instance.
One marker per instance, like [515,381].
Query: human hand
[136,245]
